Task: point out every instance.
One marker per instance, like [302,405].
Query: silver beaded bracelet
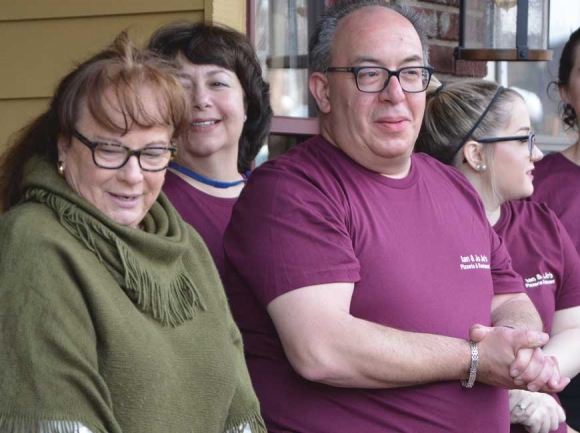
[473,368]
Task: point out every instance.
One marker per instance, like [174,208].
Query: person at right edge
[366,280]
[557,182]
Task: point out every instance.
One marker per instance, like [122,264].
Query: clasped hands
[513,359]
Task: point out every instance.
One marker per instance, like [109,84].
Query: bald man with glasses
[372,294]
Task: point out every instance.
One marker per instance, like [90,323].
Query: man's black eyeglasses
[374,79]
[112,155]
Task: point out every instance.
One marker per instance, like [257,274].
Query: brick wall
[442,17]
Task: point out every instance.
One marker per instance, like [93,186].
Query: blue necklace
[206,180]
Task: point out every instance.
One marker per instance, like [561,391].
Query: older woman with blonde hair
[113,317]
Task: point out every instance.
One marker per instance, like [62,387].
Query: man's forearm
[362,354]
[515,311]
[325,343]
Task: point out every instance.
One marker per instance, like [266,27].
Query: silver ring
[522,406]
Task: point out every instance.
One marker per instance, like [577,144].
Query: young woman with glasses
[112,316]
[484,131]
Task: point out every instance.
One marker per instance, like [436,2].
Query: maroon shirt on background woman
[207,214]
[543,254]
[557,183]
[423,258]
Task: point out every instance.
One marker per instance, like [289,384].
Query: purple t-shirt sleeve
[505,279]
[297,227]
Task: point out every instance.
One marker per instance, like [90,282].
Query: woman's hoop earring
[60,168]
[481,167]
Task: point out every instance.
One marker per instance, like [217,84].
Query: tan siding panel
[15,114]
[42,9]
[42,52]
[229,12]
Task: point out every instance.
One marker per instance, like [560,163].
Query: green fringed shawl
[114,328]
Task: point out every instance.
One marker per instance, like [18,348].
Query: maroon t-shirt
[207,214]
[557,183]
[543,254]
[423,259]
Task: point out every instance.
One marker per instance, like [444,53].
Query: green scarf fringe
[172,306]
[34,424]
[255,422]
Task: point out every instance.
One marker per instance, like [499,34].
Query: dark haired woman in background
[230,120]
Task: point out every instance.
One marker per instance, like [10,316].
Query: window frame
[287,125]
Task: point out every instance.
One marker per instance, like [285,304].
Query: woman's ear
[63,145]
[318,84]
[473,156]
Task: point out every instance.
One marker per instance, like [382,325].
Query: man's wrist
[473,366]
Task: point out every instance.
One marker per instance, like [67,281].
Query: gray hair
[320,55]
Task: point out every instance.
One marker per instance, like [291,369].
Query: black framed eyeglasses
[113,155]
[530,138]
[374,79]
